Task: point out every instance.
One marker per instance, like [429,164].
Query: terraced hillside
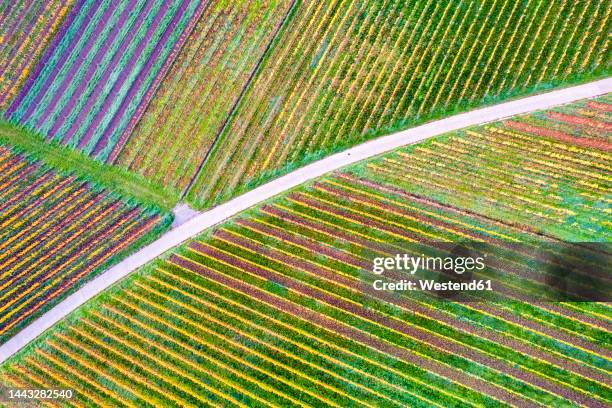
[26,29]
[179,126]
[269,309]
[344,71]
[56,231]
[101,69]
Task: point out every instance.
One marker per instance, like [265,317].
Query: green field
[342,72]
[269,308]
[198,93]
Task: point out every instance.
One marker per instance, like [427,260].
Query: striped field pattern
[27,27]
[195,98]
[55,232]
[101,71]
[269,309]
[344,71]
[552,169]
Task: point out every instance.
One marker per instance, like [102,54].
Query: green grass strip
[67,160]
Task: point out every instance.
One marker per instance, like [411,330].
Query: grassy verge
[66,160]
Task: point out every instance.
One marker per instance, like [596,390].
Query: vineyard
[210,99]
[26,29]
[269,308]
[345,71]
[195,98]
[56,231]
[115,111]
[100,71]
[551,169]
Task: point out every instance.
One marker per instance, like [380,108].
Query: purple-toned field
[27,27]
[100,70]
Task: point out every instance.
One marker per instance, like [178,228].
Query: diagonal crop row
[55,232]
[27,29]
[99,70]
[348,71]
[275,307]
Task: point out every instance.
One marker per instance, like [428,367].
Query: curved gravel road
[200,222]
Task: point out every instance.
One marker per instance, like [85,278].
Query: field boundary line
[216,215]
[243,91]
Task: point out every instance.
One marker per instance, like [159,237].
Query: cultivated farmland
[551,169]
[26,29]
[192,103]
[101,71]
[56,231]
[344,71]
[269,309]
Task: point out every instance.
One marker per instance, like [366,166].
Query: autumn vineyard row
[57,231]
[26,29]
[209,99]
[269,308]
[92,80]
[344,72]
